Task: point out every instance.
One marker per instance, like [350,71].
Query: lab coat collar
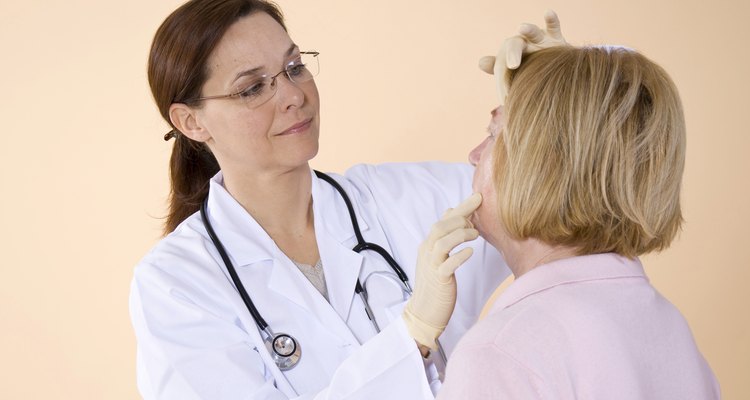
[329,208]
[569,270]
[243,238]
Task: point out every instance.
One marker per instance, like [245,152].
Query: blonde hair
[593,152]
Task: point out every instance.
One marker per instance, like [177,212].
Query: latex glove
[530,38]
[434,297]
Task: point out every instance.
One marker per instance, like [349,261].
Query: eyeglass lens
[264,88]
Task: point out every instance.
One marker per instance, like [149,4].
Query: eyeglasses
[258,91]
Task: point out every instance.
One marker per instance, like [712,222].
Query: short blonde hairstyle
[592,153]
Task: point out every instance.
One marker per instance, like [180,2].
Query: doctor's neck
[280,200]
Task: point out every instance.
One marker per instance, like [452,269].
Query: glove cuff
[422,332]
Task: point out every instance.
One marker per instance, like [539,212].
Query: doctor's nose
[289,94]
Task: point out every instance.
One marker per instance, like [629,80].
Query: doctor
[257,290]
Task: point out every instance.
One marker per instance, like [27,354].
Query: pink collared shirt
[589,327]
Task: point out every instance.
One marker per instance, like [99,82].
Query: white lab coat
[196,339]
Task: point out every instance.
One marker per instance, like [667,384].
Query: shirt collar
[569,270]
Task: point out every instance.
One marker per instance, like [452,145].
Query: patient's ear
[184,118]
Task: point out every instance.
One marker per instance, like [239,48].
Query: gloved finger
[468,206]
[446,214]
[448,267]
[553,25]
[512,51]
[532,33]
[487,64]
[445,226]
[449,224]
[446,244]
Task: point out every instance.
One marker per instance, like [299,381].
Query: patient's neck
[524,255]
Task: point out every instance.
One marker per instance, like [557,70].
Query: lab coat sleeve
[388,366]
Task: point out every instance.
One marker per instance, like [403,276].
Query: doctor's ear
[184,119]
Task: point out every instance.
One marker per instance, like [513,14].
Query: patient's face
[486,219]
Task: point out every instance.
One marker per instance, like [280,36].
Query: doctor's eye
[296,70]
[254,90]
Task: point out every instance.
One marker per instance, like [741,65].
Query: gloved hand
[434,297]
[529,39]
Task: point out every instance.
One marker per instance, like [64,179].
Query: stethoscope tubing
[262,324]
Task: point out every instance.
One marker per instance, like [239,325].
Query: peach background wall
[83,165]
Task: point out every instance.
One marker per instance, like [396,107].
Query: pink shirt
[589,327]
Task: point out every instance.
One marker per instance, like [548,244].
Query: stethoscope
[285,349]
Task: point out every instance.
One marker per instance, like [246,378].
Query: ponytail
[190,169]
[177,70]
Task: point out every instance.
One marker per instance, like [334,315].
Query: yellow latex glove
[529,39]
[434,297]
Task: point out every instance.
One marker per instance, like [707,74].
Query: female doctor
[275,281]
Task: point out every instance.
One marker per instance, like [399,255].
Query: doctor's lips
[297,128]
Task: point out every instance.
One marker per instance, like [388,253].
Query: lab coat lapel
[335,235]
[287,281]
[342,267]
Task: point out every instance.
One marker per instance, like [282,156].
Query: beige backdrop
[84,178]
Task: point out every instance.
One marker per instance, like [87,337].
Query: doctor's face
[486,219]
[279,134]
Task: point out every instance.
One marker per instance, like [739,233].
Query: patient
[580,175]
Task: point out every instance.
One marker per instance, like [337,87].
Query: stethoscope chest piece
[284,350]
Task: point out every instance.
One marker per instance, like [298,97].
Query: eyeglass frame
[284,71]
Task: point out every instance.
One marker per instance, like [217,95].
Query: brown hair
[593,152]
[177,71]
